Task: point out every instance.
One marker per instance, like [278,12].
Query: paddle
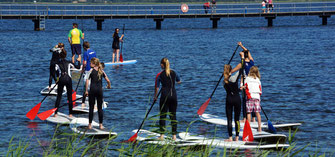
[74,93]
[271,128]
[204,105]
[121,58]
[247,132]
[33,112]
[133,138]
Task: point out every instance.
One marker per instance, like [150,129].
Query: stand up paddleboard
[152,138]
[45,90]
[221,143]
[80,126]
[223,121]
[79,109]
[121,63]
[60,119]
[75,69]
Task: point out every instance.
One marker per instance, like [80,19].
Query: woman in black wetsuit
[54,60]
[95,92]
[233,101]
[63,68]
[116,44]
[168,100]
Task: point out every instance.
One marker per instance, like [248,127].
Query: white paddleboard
[152,138]
[221,143]
[78,108]
[61,118]
[45,90]
[223,121]
[121,63]
[75,69]
[79,125]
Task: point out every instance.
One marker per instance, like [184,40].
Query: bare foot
[259,130]
[101,127]
[55,115]
[70,115]
[236,138]
[230,139]
[83,105]
[49,88]
[89,126]
[161,137]
[174,137]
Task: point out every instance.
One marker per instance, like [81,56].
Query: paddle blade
[46,114]
[133,138]
[33,112]
[121,57]
[247,133]
[271,128]
[203,107]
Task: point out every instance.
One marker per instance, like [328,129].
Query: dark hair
[115,33]
[75,25]
[63,54]
[246,53]
[86,44]
[60,45]
[102,64]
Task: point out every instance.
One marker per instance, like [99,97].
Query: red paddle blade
[203,107]
[74,97]
[133,138]
[247,133]
[33,112]
[121,58]
[46,114]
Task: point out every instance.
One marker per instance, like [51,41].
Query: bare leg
[101,126]
[230,139]
[259,121]
[117,55]
[113,55]
[161,137]
[174,137]
[249,116]
[79,58]
[73,58]
[236,138]
[89,125]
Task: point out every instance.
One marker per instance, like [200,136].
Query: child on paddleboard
[63,68]
[95,92]
[116,44]
[168,100]
[253,89]
[233,100]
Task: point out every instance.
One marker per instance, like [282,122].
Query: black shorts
[76,49]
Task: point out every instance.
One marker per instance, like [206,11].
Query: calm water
[295,57]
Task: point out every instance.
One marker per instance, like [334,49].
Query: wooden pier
[99,13]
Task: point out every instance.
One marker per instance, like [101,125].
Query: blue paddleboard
[121,63]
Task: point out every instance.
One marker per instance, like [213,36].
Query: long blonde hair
[226,71]
[97,63]
[166,64]
[254,72]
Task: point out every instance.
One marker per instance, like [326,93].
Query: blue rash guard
[88,55]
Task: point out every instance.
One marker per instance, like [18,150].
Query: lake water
[295,58]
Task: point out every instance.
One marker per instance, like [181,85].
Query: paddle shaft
[122,38]
[217,84]
[264,113]
[81,75]
[148,112]
[50,91]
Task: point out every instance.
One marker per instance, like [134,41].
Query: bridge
[38,13]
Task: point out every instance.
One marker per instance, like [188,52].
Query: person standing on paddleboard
[233,100]
[248,63]
[74,39]
[116,44]
[168,100]
[88,55]
[95,92]
[63,68]
[253,89]
[54,60]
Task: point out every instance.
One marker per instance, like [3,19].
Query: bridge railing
[37,9]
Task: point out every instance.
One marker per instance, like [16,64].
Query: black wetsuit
[63,67]
[116,41]
[95,93]
[54,60]
[168,100]
[233,103]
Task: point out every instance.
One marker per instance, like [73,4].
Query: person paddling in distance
[253,89]
[74,39]
[168,100]
[246,63]
[95,92]
[63,68]
[233,100]
[88,55]
[116,44]
[54,60]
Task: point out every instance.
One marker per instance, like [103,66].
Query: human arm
[108,81]
[82,35]
[240,44]
[69,37]
[178,80]
[86,87]
[121,37]
[238,67]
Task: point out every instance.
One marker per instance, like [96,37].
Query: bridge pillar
[324,19]
[215,21]
[99,23]
[36,24]
[270,20]
[158,23]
